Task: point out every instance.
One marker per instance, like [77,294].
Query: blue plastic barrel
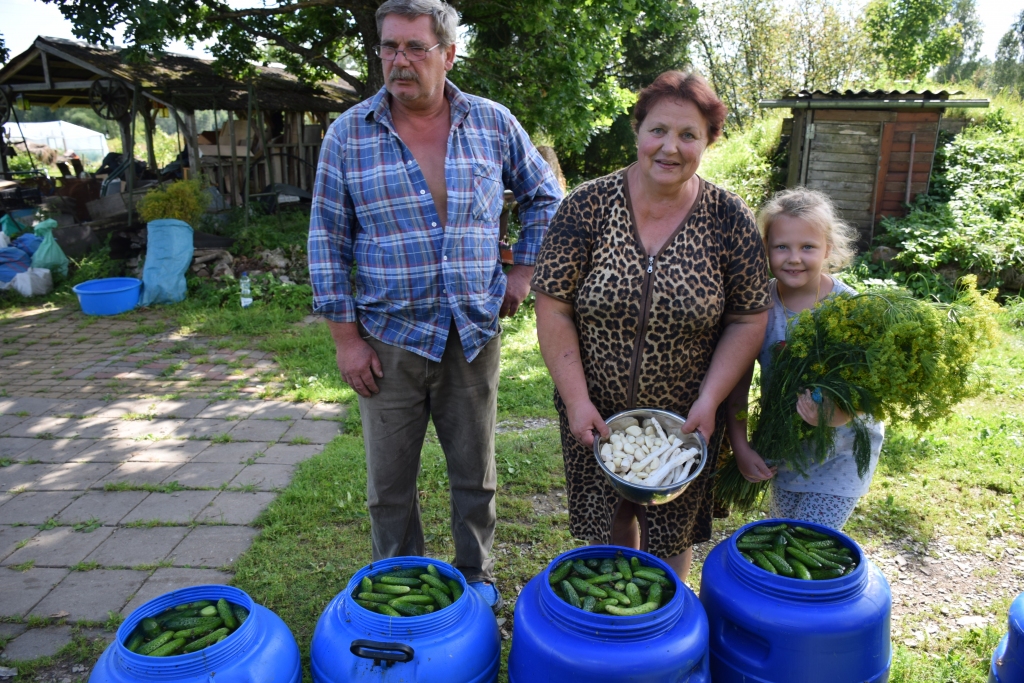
[457,644]
[261,649]
[554,641]
[108,296]
[768,628]
[1008,659]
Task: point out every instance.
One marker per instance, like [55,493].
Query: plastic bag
[5,241]
[49,254]
[168,256]
[11,227]
[28,243]
[12,262]
[33,282]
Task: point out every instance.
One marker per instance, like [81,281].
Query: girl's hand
[751,465]
[701,417]
[810,411]
[584,420]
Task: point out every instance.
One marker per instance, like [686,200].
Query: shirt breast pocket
[487,191]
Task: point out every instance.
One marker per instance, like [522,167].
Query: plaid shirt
[372,207]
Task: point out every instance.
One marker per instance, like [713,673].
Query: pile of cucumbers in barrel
[409,592]
[186,628]
[796,551]
[612,585]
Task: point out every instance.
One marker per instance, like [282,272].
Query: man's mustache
[403,74]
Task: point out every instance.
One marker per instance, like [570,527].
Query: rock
[883,254]
[900,560]
[274,259]
[971,621]
[222,270]
[203,272]
[7,672]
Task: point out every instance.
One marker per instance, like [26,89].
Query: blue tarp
[28,243]
[12,262]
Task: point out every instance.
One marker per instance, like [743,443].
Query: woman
[652,292]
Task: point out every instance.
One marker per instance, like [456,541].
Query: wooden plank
[922,147]
[916,186]
[904,157]
[834,148]
[884,160]
[863,198]
[920,127]
[855,159]
[923,138]
[904,116]
[840,177]
[796,143]
[852,204]
[859,126]
[853,115]
[831,185]
[867,141]
[901,165]
[839,165]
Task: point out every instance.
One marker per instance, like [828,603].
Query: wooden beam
[46,68]
[884,152]
[61,102]
[12,70]
[59,85]
[854,115]
[796,143]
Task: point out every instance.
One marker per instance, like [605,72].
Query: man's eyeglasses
[414,54]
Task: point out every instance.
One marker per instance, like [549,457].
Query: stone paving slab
[11,446]
[110,450]
[4,497]
[274,410]
[60,547]
[133,547]
[88,596]
[222,409]
[38,642]
[234,507]
[286,454]
[232,452]
[140,473]
[68,477]
[264,477]
[10,422]
[169,451]
[213,546]
[326,411]
[313,431]
[21,591]
[33,427]
[35,507]
[57,451]
[180,409]
[109,507]
[198,428]
[167,579]
[258,430]
[177,508]
[205,474]
[12,536]
[78,407]
[9,630]
[28,404]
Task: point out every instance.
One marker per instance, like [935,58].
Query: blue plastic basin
[1008,659]
[767,628]
[108,296]
[458,644]
[261,649]
[554,641]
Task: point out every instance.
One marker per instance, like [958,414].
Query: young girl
[805,241]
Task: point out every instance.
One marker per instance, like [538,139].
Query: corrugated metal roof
[872,95]
[178,80]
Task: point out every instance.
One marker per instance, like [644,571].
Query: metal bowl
[653,495]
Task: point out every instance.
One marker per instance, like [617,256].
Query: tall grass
[743,161]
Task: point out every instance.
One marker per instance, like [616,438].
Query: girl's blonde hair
[818,210]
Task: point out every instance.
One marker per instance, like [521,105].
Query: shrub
[745,162]
[183,200]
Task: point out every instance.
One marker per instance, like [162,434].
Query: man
[409,189]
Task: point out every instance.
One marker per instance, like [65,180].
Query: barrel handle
[377,651]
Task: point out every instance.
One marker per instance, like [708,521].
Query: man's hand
[357,360]
[517,288]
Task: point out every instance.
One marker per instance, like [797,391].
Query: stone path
[117,482]
[56,353]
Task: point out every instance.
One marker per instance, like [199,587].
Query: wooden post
[234,160]
[149,122]
[193,141]
[910,169]
[248,154]
[265,134]
[796,147]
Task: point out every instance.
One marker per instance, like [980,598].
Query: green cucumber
[411,573]
[558,574]
[642,583]
[584,588]
[150,627]
[620,596]
[602,604]
[834,557]
[593,562]
[825,574]
[647,575]
[456,589]
[366,604]
[631,611]
[747,557]
[240,613]
[408,610]
[827,543]
[804,558]
[634,564]
[224,609]
[633,593]
[604,578]
[754,546]
[195,632]
[388,611]
[208,611]
[810,533]
[159,641]
[189,622]
[761,561]
[570,594]
[769,529]
[622,565]
[169,649]
[412,600]
[442,599]
[206,641]
[375,597]
[779,563]
[795,542]
[432,570]
[654,595]
[801,570]
[435,582]
[607,566]
[583,570]
[400,580]
[134,641]
[589,603]
[388,588]
[366,584]
[620,585]
[825,562]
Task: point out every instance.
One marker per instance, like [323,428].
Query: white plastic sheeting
[88,144]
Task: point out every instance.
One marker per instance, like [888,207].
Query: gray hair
[444,16]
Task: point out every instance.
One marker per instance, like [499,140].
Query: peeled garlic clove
[616,437]
[634,431]
[617,446]
[606,450]
[654,464]
[635,467]
[629,449]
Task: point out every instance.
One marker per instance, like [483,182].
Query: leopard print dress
[673,303]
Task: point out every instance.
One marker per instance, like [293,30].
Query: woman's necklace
[783,301]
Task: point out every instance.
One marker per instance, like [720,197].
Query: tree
[963,62]
[911,37]
[1008,69]
[553,62]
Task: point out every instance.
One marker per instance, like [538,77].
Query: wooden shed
[870,151]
